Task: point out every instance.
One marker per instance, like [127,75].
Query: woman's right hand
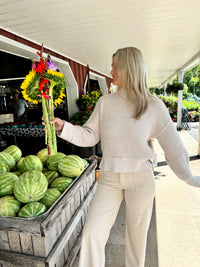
[58,124]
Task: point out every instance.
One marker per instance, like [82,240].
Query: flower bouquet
[45,84]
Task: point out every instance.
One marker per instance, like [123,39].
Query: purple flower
[52,66]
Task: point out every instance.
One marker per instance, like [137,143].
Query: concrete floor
[174,233]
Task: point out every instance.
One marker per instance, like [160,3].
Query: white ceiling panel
[167,32]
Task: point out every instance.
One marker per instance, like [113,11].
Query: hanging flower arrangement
[45,84]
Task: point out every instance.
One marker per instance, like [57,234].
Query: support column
[199,140]
[165,87]
[180,98]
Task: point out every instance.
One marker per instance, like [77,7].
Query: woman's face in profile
[114,73]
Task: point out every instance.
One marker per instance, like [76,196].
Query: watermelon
[14,151]
[9,206]
[7,181]
[43,155]
[51,195]
[18,173]
[52,161]
[30,186]
[31,162]
[4,167]
[61,183]
[85,162]
[45,169]
[8,159]
[51,175]
[19,164]
[32,209]
[71,166]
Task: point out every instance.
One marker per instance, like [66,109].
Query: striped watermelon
[4,167]
[52,161]
[85,162]
[71,166]
[30,186]
[51,195]
[9,206]
[31,162]
[31,210]
[43,155]
[51,175]
[19,164]
[14,151]
[8,159]
[61,183]
[7,181]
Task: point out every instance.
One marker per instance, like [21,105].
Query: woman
[126,122]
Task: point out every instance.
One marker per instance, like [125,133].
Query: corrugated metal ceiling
[167,32]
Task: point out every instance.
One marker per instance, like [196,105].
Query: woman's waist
[125,164]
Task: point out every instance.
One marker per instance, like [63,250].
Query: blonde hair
[133,78]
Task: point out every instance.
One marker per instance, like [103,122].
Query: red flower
[45,96]
[40,67]
[42,83]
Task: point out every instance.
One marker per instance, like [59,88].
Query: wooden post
[88,81]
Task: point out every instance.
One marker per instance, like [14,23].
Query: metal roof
[90,31]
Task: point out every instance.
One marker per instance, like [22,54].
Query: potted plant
[196,116]
[174,88]
[88,101]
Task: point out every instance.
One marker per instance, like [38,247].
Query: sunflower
[31,86]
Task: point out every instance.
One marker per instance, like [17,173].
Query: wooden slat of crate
[26,243]
[4,241]
[12,259]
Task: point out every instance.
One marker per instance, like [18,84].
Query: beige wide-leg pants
[138,189]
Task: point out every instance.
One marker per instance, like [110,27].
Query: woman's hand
[58,124]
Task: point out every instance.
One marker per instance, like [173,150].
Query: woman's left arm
[175,152]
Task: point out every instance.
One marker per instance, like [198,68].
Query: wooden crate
[50,239]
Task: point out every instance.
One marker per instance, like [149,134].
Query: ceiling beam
[195,57]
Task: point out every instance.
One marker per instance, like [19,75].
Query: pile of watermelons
[30,185]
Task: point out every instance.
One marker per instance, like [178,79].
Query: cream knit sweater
[127,143]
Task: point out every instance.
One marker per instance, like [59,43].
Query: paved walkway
[174,234]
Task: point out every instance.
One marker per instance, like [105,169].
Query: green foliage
[192,79]
[80,117]
[171,104]
[88,100]
[156,90]
[191,105]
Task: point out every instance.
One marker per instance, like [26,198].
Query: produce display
[30,185]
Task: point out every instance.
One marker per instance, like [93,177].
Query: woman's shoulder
[156,105]
[154,100]
[108,97]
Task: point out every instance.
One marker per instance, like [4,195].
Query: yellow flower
[56,73]
[59,99]
[28,79]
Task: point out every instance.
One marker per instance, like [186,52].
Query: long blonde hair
[133,78]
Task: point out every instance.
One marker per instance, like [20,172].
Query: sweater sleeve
[85,136]
[175,153]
